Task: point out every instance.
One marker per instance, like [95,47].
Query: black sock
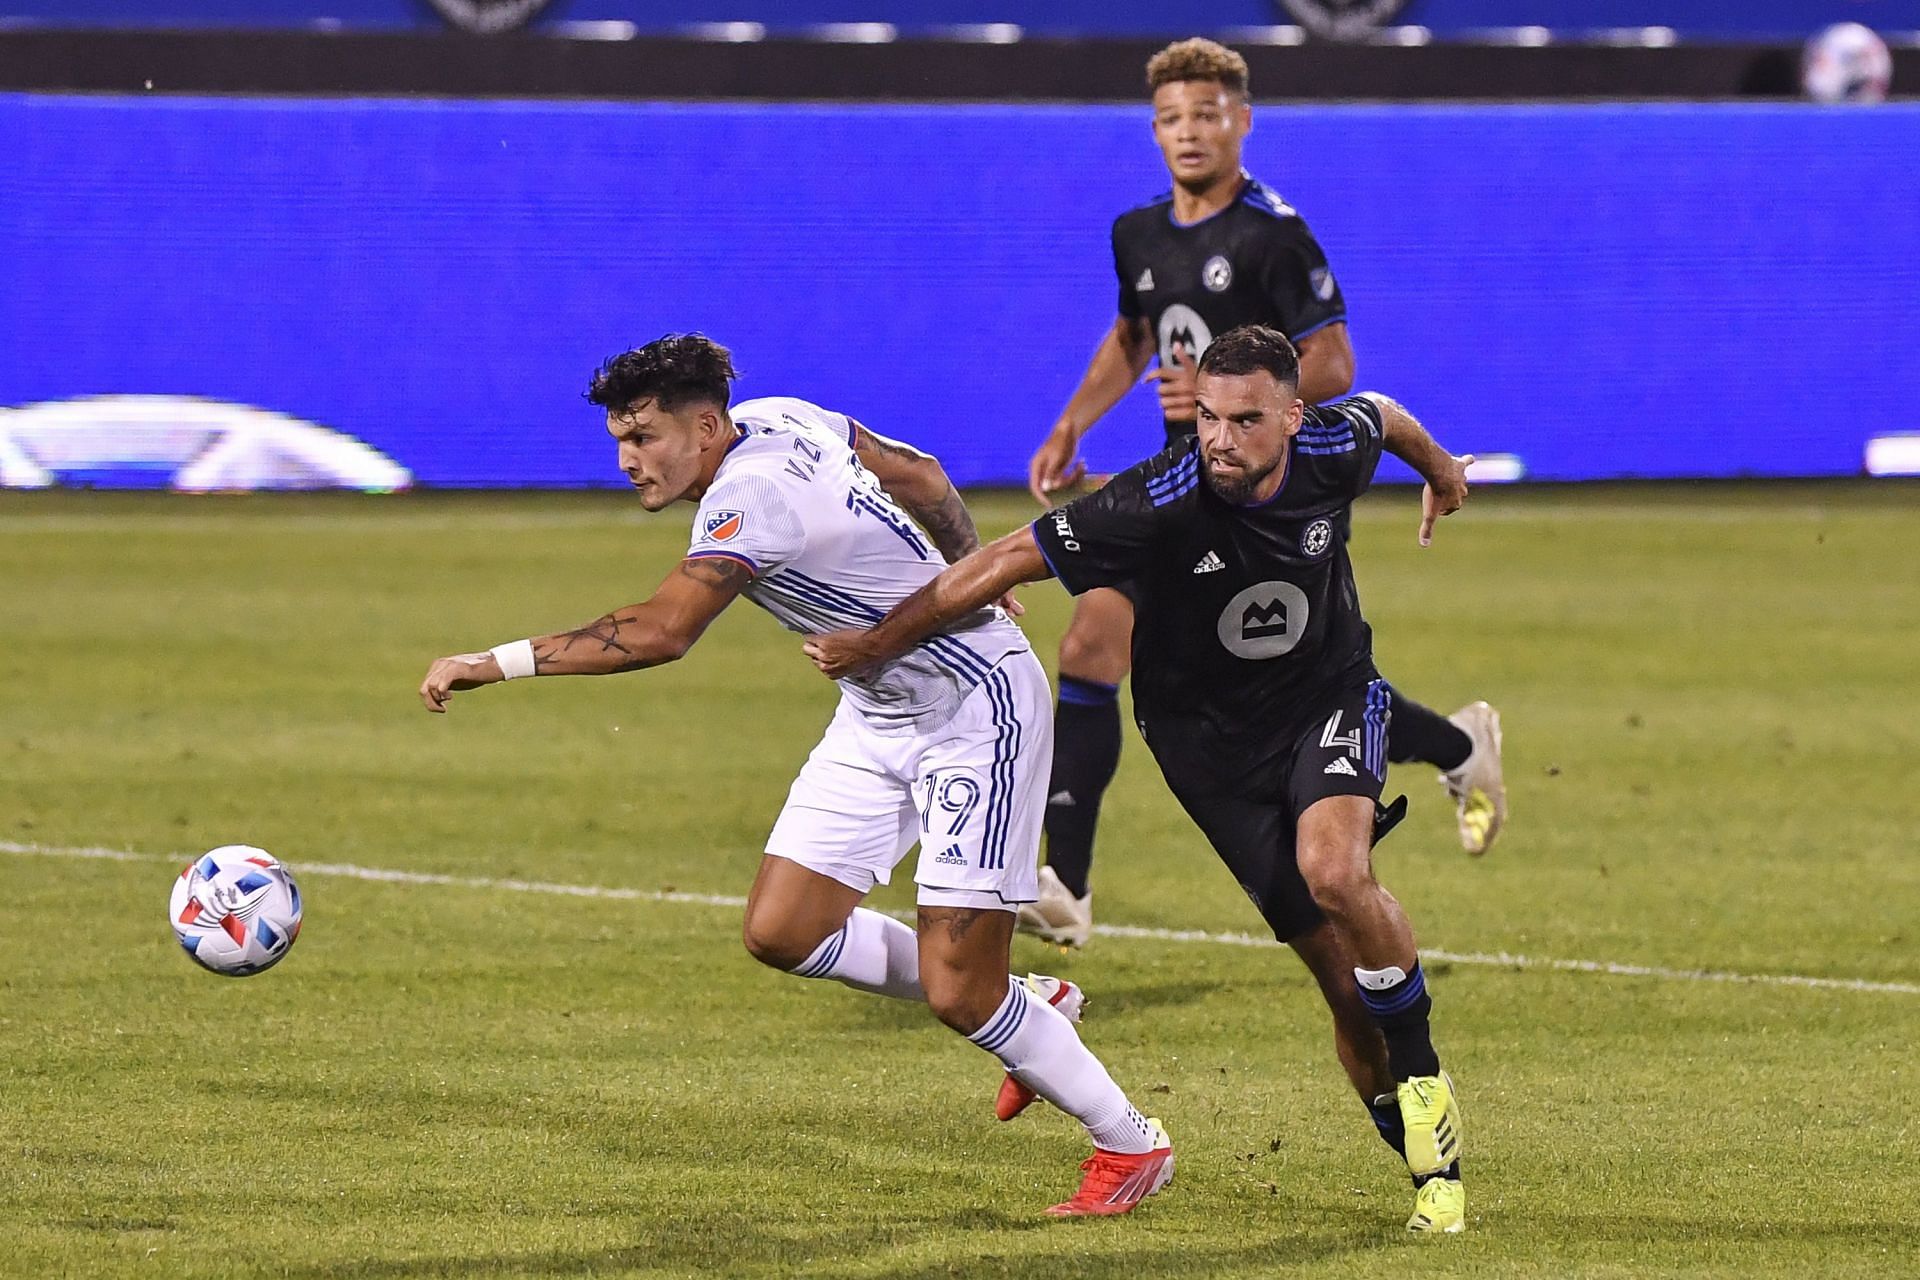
[1086,751]
[1400,1011]
[1420,733]
[1385,1111]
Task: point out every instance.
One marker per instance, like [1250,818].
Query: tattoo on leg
[958,920]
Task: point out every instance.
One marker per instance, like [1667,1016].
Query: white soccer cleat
[1057,916]
[1478,787]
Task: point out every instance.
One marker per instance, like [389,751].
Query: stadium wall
[1747,19]
[1601,291]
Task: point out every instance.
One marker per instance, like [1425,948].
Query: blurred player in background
[1220,250]
[1256,690]
[800,510]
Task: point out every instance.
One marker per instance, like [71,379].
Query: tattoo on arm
[629,639]
[950,525]
[946,518]
[603,631]
[718,571]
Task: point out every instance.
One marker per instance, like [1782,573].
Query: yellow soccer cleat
[1439,1208]
[1478,786]
[1432,1120]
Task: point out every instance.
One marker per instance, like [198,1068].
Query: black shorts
[1341,752]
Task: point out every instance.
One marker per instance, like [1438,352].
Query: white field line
[1490,960]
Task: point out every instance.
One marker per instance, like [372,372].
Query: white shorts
[972,793]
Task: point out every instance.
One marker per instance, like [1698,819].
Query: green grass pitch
[1712,716]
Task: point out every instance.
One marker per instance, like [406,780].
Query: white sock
[872,952]
[1037,1043]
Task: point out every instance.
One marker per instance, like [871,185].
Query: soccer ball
[235,910]
[1847,63]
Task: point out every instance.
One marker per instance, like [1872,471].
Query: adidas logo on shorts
[1341,765]
[952,857]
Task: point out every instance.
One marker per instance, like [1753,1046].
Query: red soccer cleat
[1115,1183]
[1069,999]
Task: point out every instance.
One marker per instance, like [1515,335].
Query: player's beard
[1239,487]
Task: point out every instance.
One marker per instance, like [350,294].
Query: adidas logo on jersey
[1145,282]
[1341,765]
[1210,563]
[952,857]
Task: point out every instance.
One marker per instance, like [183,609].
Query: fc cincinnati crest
[1217,274]
[1317,538]
[721,526]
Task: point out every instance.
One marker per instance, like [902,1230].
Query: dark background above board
[536,66]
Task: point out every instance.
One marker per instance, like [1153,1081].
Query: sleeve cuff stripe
[1034,529]
[728,555]
[1312,329]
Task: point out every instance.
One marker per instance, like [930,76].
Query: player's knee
[964,1001]
[1337,876]
[1094,653]
[773,945]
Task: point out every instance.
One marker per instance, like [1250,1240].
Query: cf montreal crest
[1317,538]
[1218,273]
[488,17]
[1343,19]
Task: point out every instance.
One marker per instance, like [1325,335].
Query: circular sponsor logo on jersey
[1181,326]
[1317,538]
[1322,281]
[1217,274]
[1264,621]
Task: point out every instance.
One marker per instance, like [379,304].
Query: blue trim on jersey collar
[1246,185]
[1286,474]
[740,434]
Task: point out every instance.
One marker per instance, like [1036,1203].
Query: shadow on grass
[734,1247]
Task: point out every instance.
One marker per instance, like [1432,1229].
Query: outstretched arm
[1445,474]
[655,631]
[964,588]
[1124,352]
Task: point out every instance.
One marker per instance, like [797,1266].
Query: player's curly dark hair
[1198,59]
[671,371]
[1250,347]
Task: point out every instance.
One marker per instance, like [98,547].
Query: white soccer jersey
[830,550]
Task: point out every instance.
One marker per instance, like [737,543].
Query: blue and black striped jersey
[1247,616]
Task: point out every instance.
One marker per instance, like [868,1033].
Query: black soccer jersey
[1248,621]
[1254,262]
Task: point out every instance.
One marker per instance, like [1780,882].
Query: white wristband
[515,659]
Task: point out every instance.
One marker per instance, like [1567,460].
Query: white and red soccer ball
[1847,63]
[235,910]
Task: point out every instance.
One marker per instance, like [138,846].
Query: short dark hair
[671,371]
[1198,59]
[1250,347]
